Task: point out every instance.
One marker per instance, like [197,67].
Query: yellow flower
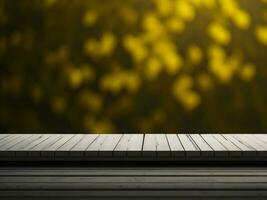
[89,18]
[91,101]
[87,72]
[153,68]
[222,68]
[261,34]
[247,72]
[265,15]
[78,75]
[185,10]
[91,47]
[175,25]
[164,7]
[132,81]
[75,77]
[224,71]
[241,19]
[107,44]
[183,93]
[191,100]
[129,14]
[229,7]
[112,83]
[219,34]
[209,3]
[194,54]
[115,82]
[104,47]
[184,82]
[204,81]
[136,47]
[216,53]
[97,126]
[204,3]
[173,62]
[169,56]
[103,126]
[153,26]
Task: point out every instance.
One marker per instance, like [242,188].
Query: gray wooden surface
[133,146]
[133,183]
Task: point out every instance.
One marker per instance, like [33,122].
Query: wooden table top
[133,146]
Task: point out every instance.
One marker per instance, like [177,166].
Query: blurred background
[133,66]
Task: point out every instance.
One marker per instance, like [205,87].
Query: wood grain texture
[176,147]
[133,147]
[130,145]
[133,183]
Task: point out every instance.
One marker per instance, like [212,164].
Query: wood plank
[244,141]
[168,181]
[36,142]
[2,136]
[18,148]
[64,150]
[6,141]
[150,146]
[130,145]
[24,142]
[94,147]
[191,150]
[36,150]
[46,182]
[233,150]
[79,149]
[261,137]
[104,145]
[257,140]
[122,147]
[163,148]
[15,140]
[156,145]
[135,145]
[134,171]
[206,150]
[261,149]
[108,146]
[246,151]
[50,150]
[9,139]
[176,147]
[219,149]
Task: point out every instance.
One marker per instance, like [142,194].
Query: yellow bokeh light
[135,65]
[261,33]
[219,33]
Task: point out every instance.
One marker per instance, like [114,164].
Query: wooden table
[65,181]
[133,147]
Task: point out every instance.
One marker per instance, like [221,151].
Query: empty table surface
[133,146]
